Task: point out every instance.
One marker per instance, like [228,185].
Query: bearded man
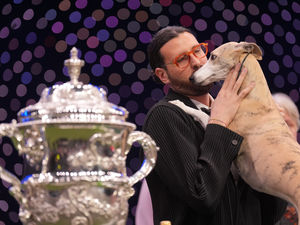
[193,182]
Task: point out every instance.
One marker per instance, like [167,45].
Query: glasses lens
[200,51]
[182,60]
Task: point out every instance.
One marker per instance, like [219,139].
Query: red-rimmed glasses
[183,60]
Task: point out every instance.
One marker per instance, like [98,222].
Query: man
[289,112]
[290,115]
[192,182]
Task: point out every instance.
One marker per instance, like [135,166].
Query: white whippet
[269,158]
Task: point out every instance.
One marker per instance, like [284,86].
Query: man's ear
[162,75]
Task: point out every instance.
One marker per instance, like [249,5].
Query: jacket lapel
[172,95]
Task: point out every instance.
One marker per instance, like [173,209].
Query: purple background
[36,36]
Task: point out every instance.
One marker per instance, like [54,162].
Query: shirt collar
[200,105]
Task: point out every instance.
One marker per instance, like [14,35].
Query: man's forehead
[182,43]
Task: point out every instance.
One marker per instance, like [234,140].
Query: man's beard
[188,88]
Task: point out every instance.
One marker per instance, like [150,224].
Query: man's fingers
[240,80]
[226,81]
[231,77]
[246,90]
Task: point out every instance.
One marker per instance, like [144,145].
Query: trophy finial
[74,65]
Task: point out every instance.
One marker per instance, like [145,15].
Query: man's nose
[196,63]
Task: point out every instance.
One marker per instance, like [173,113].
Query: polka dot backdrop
[36,36]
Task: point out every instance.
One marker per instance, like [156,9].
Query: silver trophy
[79,142]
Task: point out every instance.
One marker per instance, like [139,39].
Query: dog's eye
[213,57]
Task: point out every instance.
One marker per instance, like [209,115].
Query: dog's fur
[269,158]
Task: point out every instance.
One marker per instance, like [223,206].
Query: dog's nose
[191,78]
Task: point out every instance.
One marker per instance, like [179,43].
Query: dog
[269,158]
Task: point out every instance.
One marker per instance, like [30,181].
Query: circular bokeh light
[112,38]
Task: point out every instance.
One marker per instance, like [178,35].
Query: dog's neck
[261,92]
[258,103]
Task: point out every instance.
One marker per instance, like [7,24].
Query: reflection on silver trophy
[79,141]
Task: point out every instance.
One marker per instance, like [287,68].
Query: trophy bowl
[79,142]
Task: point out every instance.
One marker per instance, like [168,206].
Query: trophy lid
[73,101]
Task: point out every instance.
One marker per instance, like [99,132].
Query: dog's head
[222,60]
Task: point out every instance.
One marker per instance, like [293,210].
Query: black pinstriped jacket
[191,183]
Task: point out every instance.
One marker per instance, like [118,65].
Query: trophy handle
[15,190]
[8,129]
[150,151]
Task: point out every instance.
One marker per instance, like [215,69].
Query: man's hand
[229,98]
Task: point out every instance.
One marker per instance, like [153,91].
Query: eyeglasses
[184,59]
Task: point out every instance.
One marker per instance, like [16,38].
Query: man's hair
[156,60]
[286,102]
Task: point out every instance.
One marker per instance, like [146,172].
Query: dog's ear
[252,48]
